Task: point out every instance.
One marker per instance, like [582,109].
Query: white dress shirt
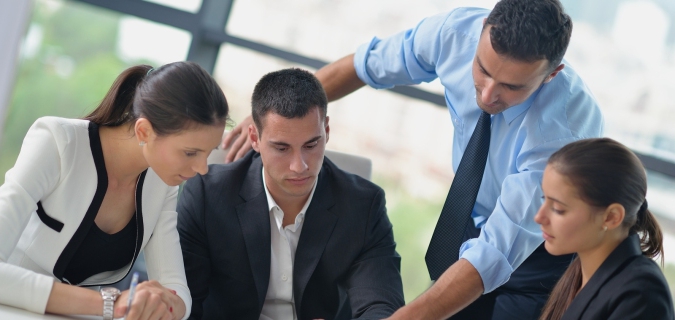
[279,301]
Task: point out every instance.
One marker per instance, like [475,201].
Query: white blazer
[61,167]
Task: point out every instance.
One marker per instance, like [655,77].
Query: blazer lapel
[624,253]
[255,226]
[317,230]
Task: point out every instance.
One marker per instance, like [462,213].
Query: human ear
[143,130]
[554,73]
[614,215]
[327,127]
[254,137]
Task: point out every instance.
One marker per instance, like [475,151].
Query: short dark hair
[173,97]
[290,93]
[530,30]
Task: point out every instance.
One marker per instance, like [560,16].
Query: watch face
[110,292]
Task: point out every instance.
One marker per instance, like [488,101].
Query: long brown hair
[172,97]
[604,172]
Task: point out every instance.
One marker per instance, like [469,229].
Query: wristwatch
[109,295]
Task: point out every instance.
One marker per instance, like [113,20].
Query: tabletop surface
[7,312]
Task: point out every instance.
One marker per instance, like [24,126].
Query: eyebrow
[284,144]
[556,200]
[200,150]
[514,86]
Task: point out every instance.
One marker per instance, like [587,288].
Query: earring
[142,143]
[604,228]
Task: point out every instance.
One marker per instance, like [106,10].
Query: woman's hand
[151,301]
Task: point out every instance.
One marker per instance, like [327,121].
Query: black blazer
[345,256]
[627,285]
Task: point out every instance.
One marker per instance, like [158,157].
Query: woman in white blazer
[87,195]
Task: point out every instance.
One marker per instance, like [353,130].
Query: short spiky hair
[290,93]
[530,30]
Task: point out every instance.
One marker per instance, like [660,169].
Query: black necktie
[449,233]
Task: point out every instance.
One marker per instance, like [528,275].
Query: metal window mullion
[213,16]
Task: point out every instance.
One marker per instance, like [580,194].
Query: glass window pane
[329,30]
[185,5]
[143,40]
[624,51]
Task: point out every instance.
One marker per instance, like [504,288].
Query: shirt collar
[272,204]
[513,112]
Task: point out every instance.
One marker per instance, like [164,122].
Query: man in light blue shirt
[507,62]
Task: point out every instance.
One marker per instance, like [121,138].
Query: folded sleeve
[408,57]
[510,234]
[440,45]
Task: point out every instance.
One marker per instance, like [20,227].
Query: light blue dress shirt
[522,139]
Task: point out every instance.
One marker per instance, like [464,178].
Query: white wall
[14,18]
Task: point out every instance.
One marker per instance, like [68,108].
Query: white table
[11,313]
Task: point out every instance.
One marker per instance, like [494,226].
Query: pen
[132,290]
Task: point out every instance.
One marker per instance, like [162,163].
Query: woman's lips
[546,235]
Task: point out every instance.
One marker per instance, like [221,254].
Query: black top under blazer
[345,265]
[628,285]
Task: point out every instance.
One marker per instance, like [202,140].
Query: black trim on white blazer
[101,188]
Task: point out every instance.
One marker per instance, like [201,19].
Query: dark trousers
[526,292]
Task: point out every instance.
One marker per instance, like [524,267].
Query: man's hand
[237,141]
[457,288]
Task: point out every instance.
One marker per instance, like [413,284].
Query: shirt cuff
[491,264]
[361,61]
[41,288]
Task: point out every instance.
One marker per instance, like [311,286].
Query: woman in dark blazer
[87,195]
[595,206]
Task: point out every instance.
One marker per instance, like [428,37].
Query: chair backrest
[360,166]
[357,165]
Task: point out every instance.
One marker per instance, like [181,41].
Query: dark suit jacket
[345,255]
[627,285]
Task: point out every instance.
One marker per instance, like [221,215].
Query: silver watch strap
[108,304]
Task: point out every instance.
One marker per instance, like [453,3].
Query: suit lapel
[255,226]
[316,231]
[622,255]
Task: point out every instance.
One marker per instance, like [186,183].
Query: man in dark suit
[283,233]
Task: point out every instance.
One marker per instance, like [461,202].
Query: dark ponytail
[604,172]
[563,293]
[651,237]
[116,107]
[173,97]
